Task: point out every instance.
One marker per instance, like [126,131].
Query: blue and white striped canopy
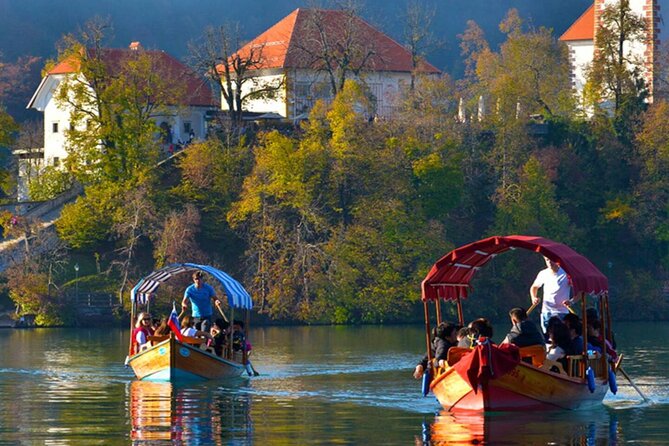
[238,297]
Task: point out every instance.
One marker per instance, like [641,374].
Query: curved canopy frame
[450,277]
[237,296]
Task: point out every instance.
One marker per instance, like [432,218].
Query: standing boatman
[557,291]
[200,295]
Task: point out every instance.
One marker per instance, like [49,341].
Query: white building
[286,60]
[180,122]
[580,38]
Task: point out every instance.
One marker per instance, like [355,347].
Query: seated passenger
[552,322]
[523,331]
[444,337]
[465,337]
[219,332]
[573,323]
[188,328]
[560,342]
[163,329]
[239,342]
[481,327]
[141,332]
[597,341]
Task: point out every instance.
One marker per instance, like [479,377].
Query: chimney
[134,46]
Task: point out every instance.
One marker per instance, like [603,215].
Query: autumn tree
[235,70]
[650,213]
[529,75]
[278,213]
[134,225]
[177,238]
[337,44]
[617,70]
[418,36]
[17,79]
[29,273]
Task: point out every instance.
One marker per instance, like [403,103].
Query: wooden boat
[168,358]
[492,377]
[171,360]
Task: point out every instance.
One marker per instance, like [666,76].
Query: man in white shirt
[556,292]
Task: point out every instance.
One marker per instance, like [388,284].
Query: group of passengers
[563,337]
[196,325]
[562,328]
[216,338]
[447,335]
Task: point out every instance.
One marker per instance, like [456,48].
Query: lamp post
[76,283]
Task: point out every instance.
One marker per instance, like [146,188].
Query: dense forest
[338,219]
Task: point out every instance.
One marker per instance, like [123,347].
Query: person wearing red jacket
[141,332]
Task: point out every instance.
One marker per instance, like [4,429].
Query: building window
[187,128]
[56,161]
[54,127]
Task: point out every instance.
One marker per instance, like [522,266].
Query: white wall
[54,142]
[307,86]
[581,53]
[180,118]
[276,105]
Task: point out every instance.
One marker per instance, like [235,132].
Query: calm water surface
[318,385]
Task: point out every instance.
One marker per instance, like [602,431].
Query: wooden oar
[632,383]
[571,310]
[218,307]
[529,310]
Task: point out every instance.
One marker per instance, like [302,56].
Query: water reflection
[595,427]
[199,414]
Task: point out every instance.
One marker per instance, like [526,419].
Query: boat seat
[549,364]
[455,353]
[537,353]
[192,340]
[207,349]
[575,365]
[156,339]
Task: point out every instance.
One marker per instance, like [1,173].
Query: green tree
[88,221]
[531,207]
[212,174]
[113,98]
[49,183]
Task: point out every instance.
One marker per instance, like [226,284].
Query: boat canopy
[238,297]
[450,277]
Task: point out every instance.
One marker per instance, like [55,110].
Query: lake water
[318,385]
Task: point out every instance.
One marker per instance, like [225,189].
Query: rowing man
[556,292]
[200,296]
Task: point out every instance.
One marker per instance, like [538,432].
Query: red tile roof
[583,28]
[198,92]
[287,43]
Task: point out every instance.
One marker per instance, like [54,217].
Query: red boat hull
[523,388]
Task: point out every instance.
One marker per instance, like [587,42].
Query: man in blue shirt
[200,295]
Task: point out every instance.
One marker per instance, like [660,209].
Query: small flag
[173,323]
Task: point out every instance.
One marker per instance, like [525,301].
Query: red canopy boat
[492,377]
